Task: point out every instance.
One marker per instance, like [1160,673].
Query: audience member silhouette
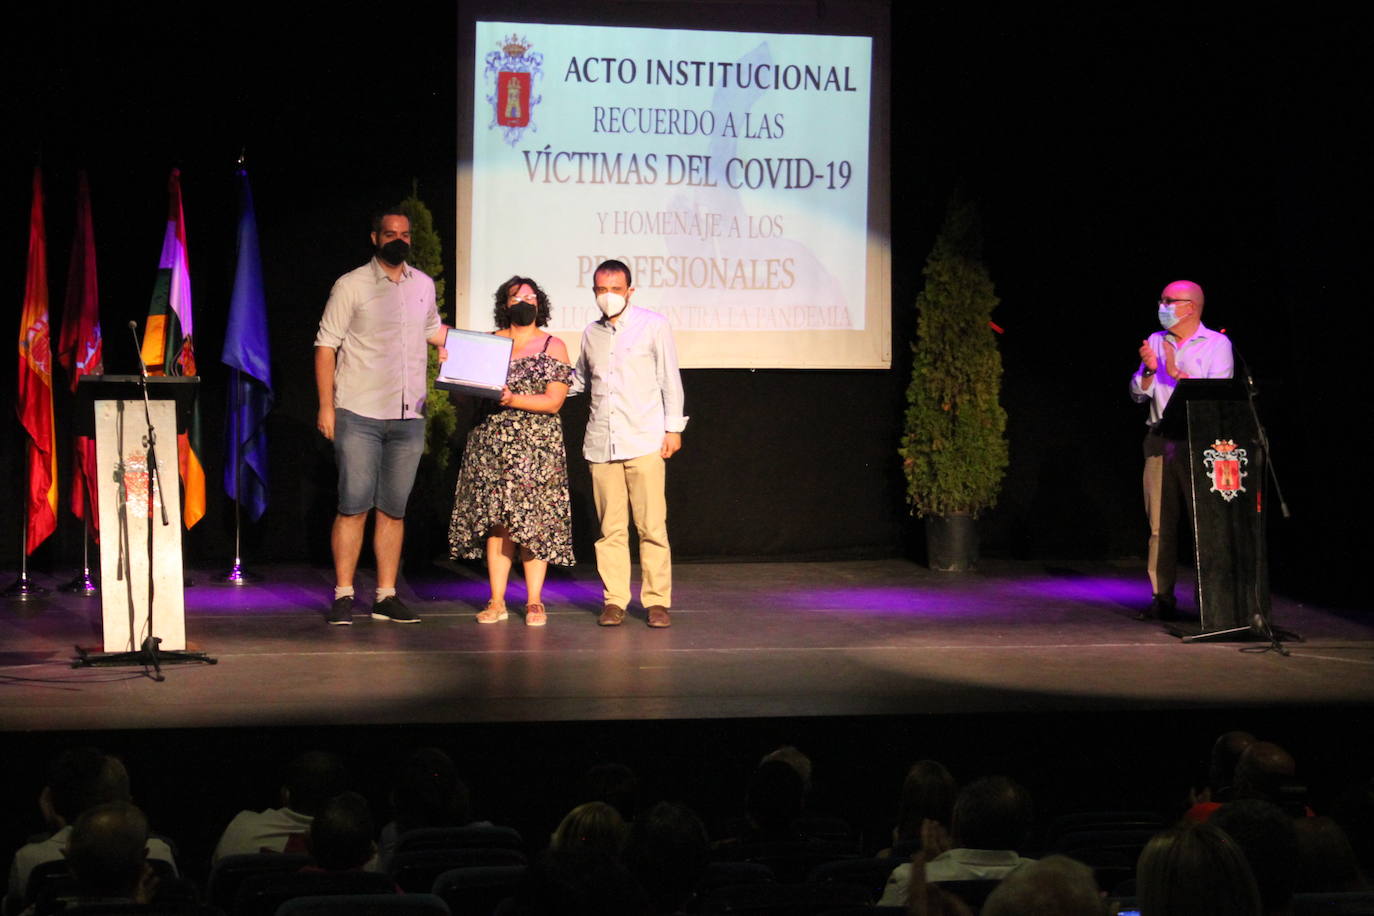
[927,795]
[1354,811]
[311,779]
[1265,834]
[798,761]
[1053,886]
[992,819]
[1326,860]
[581,871]
[1263,770]
[667,851]
[594,827]
[78,780]
[584,883]
[616,785]
[1195,870]
[1221,769]
[107,852]
[340,836]
[427,792]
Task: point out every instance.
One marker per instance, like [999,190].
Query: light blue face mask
[1168,317]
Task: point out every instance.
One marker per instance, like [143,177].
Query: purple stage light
[1085,589]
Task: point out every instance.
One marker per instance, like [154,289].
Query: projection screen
[734,173]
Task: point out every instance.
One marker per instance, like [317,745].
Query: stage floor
[883,637]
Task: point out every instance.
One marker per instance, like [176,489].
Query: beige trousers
[1154,491]
[1168,500]
[622,488]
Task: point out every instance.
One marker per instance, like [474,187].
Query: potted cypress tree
[954,447]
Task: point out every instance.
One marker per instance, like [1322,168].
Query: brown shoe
[612,615]
[535,615]
[658,617]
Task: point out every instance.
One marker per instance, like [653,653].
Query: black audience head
[108,849]
[312,779]
[616,785]
[1262,769]
[83,777]
[429,793]
[667,850]
[341,834]
[775,798]
[992,813]
[1326,859]
[1226,751]
[927,794]
[1265,834]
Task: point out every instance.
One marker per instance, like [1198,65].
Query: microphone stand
[148,655]
[1260,622]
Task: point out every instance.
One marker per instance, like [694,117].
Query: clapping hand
[1147,356]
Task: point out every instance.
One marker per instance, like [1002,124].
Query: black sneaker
[341,611]
[391,608]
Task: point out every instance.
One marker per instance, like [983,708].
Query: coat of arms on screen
[510,76]
[1226,467]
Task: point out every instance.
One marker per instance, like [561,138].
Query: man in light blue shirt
[629,363]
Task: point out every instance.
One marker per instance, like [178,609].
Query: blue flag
[250,385]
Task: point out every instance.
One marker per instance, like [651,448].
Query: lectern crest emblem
[510,74]
[137,483]
[1225,465]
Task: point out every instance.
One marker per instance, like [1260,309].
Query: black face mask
[523,313]
[394,252]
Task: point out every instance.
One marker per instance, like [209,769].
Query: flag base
[237,575]
[24,588]
[83,584]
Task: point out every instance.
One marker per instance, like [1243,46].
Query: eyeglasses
[1173,301]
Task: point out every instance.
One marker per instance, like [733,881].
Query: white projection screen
[737,173]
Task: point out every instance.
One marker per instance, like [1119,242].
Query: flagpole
[23,588]
[237,575]
[83,584]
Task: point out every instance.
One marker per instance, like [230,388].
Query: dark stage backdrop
[1110,153]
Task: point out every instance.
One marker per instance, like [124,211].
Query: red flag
[34,405]
[79,348]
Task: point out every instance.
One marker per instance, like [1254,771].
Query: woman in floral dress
[512,499]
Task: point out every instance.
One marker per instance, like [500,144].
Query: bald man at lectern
[1184,348]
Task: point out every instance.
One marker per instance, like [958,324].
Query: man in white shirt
[370,361]
[992,818]
[629,363]
[311,780]
[1185,348]
[79,779]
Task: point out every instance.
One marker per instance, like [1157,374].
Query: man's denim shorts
[377,461]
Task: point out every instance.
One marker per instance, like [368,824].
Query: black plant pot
[951,543]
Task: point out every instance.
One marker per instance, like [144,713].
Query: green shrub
[954,447]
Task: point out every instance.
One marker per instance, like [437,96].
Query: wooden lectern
[1226,464]
[140,557]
